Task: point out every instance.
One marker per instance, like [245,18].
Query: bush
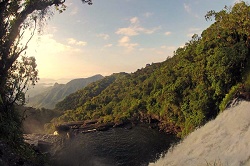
[10,125]
[231,94]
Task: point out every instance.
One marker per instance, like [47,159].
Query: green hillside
[78,98]
[182,92]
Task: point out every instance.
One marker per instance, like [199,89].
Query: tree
[17,71]
[15,17]
[233,22]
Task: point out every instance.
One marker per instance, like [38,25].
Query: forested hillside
[182,92]
[78,98]
[52,95]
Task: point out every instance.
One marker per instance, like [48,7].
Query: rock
[89,122]
[89,131]
[9,157]
[245,95]
[62,129]
[45,143]
[233,102]
[104,126]
[128,126]
[44,146]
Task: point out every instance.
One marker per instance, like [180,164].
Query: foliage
[18,72]
[21,75]
[75,100]
[37,117]
[246,76]
[231,94]
[10,123]
[182,92]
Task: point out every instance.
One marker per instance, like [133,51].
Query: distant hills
[47,97]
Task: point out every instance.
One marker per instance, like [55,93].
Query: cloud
[141,49]
[104,36]
[52,56]
[81,43]
[168,33]
[150,31]
[187,8]
[108,45]
[134,20]
[124,39]
[130,31]
[125,42]
[73,41]
[49,43]
[135,28]
[148,14]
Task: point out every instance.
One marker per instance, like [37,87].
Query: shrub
[231,94]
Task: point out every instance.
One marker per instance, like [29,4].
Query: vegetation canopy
[182,92]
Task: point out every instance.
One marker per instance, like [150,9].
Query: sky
[113,36]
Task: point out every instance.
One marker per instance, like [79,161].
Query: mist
[222,141]
[35,119]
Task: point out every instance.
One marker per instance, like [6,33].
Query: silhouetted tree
[16,16]
[16,70]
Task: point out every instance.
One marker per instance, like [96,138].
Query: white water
[224,141]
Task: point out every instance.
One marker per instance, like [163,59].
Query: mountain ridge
[52,95]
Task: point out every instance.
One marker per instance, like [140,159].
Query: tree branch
[15,29]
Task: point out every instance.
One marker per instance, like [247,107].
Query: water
[115,147]
[224,141]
